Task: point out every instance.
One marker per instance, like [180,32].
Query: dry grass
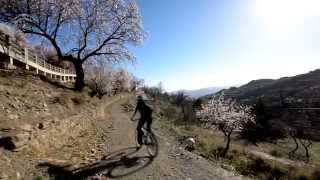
[210,143]
[283,146]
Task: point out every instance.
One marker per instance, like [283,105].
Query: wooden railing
[32,59]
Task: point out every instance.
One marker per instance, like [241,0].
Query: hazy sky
[194,44]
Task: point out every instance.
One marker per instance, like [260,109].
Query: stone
[190,144]
[18,175]
[21,139]
[40,126]
[13,116]
[26,127]
[227,167]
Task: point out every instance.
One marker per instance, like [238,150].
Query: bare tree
[122,81]
[306,143]
[160,87]
[292,133]
[136,83]
[14,34]
[100,77]
[79,30]
[299,127]
[179,98]
[225,115]
[299,135]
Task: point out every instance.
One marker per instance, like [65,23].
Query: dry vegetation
[264,161]
[41,122]
[242,158]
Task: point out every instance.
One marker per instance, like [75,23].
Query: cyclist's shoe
[138,147]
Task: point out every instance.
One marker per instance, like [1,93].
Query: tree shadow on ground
[121,163]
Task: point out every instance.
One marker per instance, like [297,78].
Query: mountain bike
[149,140]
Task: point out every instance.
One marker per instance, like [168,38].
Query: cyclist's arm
[135,111]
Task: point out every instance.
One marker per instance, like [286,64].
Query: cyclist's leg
[149,122]
[139,131]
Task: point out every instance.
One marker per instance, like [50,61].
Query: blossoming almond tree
[226,115]
[79,30]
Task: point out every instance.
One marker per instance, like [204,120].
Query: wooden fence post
[26,56]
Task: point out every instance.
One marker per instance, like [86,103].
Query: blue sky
[193,44]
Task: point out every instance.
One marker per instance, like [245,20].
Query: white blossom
[225,114]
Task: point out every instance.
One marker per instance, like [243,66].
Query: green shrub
[37,178]
[258,167]
[217,152]
[242,166]
[171,112]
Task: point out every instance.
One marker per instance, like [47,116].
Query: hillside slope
[49,132]
[39,122]
[297,91]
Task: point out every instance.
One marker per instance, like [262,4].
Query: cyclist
[145,118]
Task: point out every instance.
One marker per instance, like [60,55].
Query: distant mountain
[203,91]
[288,101]
[299,90]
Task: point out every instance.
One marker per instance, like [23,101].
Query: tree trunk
[224,152]
[292,153]
[306,144]
[184,116]
[79,84]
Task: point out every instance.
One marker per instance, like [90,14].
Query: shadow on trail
[121,163]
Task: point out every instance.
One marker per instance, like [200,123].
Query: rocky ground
[47,132]
[41,122]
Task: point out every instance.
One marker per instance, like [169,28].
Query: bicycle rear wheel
[152,144]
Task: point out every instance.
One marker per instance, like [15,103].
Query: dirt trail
[264,155]
[171,162]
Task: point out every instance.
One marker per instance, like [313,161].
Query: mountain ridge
[195,93]
[303,89]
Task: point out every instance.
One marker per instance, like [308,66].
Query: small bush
[241,165]
[77,100]
[258,167]
[233,154]
[217,152]
[303,177]
[58,100]
[37,178]
[277,173]
[315,175]
[171,112]
[275,153]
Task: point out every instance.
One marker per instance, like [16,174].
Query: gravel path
[172,162]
